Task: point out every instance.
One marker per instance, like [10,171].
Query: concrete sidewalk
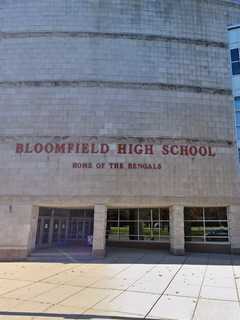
[127,284]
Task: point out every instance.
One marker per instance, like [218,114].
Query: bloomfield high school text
[120,149]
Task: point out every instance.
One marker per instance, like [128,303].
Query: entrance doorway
[62,227]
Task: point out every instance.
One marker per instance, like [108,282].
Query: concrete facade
[133,72]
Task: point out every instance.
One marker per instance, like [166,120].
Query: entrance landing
[70,254]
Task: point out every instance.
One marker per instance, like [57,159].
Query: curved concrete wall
[116,71]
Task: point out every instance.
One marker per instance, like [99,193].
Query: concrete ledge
[208,248]
[177,252]
[139,244]
[13,254]
[99,253]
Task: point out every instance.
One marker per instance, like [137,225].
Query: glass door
[45,225]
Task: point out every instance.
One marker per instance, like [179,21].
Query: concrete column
[99,230]
[177,243]
[234,228]
[15,235]
[33,233]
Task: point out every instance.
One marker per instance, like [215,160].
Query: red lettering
[104,148]
[149,149]
[174,150]
[210,152]
[38,148]
[130,151]
[60,148]
[184,150]
[85,148]
[49,148]
[121,148]
[193,151]
[203,151]
[94,148]
[19,148]
[138,149]
[70,147]
[165,150]
[28,149]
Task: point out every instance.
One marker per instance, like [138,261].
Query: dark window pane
[112,231]
[216,239]
[235,55]
[238,133]
[46,226]
[124,214]
[130,228]
[215,214]
[216,230]
[194,239]
[235,68]
[193,214]
[45,211]
[237,103]
[156,224]
[238,118]
[89,213]
[164,214]
[145,214]
[124,230]
[155,214]
[193,228]
[133,214]
[112,214]
[164,228]
[155,234]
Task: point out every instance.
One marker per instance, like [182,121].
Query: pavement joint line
[71,295]
[174,276]
[122,291]
[31,282]
[67,255]
[92,287]
[202,282]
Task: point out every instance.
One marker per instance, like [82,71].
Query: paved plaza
[127,284]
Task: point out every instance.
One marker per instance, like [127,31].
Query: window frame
[205,235]
[138,235]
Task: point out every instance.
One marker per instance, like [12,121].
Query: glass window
[235,68]
[235,55]
[145,214]
[89,213]
[150,224]
[164,214]
[238,118]
[112,231]
[216,231]
[155,214]
[124,214]
[194,228]
[206,224]
[215,214]
[124,230]
[237,103]
[164,228]
[112,214]
[193,213]
[238,133]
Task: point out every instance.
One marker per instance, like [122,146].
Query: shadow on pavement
[51,316]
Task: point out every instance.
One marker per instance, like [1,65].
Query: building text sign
[118,149]
[138,151]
